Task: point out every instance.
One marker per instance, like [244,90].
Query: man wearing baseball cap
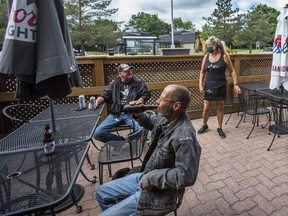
[120,92]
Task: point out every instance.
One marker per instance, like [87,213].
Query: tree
[3,21]
[144,22]
[81,16]
[260,25]
[224,22]
[178,23]
[105,33]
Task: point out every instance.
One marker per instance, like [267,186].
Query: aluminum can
[93,102]
[82,103]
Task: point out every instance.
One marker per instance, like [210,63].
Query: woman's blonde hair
[221,46]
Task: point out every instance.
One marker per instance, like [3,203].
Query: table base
[78,192]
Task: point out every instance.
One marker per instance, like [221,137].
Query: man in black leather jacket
[121,91]
[170,165]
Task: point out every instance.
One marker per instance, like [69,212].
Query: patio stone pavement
[237,176]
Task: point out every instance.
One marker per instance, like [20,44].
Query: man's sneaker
[221,133]
[203,129]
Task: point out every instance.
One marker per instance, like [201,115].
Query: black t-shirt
[124,92]
[215,73]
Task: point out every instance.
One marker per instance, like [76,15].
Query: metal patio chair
[253,105]
[233,104]
[127,171]
[280,117]
[18,114]
[132,149]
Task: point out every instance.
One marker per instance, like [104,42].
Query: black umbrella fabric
[38,50]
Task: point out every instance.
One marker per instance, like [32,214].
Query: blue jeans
[103,133]
[120,197]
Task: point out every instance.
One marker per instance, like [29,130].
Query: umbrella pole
[281,88]
[51,104]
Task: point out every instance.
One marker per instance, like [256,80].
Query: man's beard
[166,113]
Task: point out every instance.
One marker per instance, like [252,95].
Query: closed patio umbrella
[279,71]
[37,49]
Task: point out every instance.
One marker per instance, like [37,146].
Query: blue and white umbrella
[279,71]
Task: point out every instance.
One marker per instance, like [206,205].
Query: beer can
[93,102]
[82,104]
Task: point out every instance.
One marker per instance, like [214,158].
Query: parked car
[267,50]
[132,52]
[79,52]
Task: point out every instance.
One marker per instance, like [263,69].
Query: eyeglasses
[129,70]
[168,101]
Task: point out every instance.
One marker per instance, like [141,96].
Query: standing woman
[214,65]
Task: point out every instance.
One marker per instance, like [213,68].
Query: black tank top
[215,73]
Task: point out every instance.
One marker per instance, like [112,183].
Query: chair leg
[271,142]
[240,120]
[100,173]
[254,123]
[268,122]
[228,119]
[110,170]
[94,144]
[92,166]
[93,181]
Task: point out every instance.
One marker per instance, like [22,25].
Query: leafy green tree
[105,33]
[223,22]
[144,22]
[178,23]
[82,15]
[3,21]
[259,26]
[206,32]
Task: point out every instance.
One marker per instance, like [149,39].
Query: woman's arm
[202,75]
[232,73]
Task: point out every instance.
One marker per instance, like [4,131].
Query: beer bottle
[48,142]
[138,108]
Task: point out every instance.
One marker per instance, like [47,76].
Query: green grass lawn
[239,51]
[246,51]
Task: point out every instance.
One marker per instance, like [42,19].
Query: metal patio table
[72,129]
[279,99]
[253,86]
[68,130]
[63,111]
[32,182]
[30,135]
[66,111]
[274,94]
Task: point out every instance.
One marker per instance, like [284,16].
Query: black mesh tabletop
[31,181]
[31,134]
[274,94]
[62,111]
[253,86]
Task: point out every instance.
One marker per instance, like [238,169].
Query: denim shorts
[215,93]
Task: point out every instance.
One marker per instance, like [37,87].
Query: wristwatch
[236,84]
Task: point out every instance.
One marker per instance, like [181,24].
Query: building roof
[182,37]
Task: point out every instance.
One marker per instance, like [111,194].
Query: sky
[193,10]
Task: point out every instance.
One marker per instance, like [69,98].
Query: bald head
[179,93]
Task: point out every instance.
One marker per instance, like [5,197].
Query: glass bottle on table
[48,142]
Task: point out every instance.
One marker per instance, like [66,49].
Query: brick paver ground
[237,176]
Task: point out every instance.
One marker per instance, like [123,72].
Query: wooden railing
[157,71]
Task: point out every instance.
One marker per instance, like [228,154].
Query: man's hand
[137,102]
